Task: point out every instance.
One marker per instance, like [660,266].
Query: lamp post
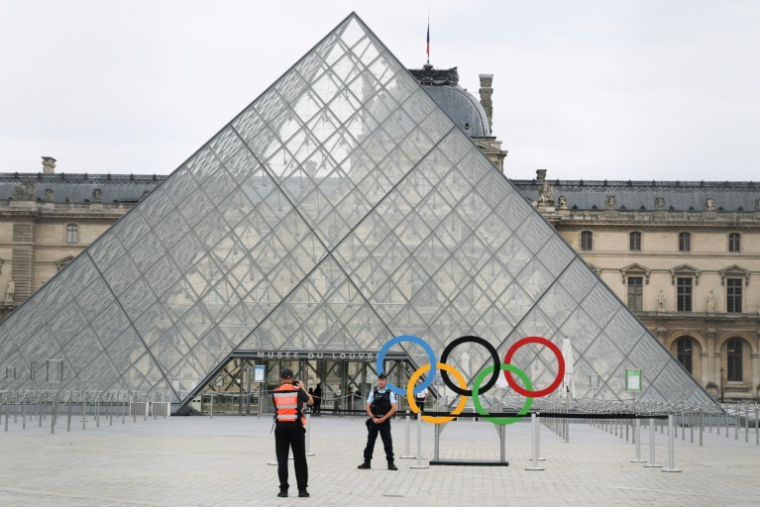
[721,384]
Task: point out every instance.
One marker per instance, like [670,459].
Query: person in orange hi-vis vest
[289,431]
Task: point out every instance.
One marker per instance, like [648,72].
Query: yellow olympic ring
[413,404]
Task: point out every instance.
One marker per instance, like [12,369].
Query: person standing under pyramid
[381,405]
[289,432]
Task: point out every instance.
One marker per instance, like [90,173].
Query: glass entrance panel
[333,388]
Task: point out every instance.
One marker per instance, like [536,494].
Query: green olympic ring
[479,406]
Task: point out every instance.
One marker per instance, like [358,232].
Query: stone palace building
[685,256]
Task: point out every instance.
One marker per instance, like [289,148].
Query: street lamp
[721,384]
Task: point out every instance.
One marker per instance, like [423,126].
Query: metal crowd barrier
[40,405]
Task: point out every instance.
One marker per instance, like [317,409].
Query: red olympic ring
[553,348]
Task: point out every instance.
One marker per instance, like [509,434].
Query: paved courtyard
[196,461]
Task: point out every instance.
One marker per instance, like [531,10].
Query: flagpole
[428,35]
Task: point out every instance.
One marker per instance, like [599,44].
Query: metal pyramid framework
[340,209]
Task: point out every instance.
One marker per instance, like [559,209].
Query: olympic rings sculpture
[433,366]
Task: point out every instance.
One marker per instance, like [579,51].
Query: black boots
[301,493]
[366,466]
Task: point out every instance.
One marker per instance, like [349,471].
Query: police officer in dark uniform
[381,405]
[289,432]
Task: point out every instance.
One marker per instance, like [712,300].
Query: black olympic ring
[489,348]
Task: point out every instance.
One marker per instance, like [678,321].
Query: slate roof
[679,195]
[461,106]
[79,187]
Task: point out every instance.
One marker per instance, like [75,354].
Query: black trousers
[384,429]
[289,435]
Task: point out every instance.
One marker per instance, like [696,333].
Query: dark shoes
[391,466]
[301,493]
[364,466]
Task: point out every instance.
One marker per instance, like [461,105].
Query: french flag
[428,43]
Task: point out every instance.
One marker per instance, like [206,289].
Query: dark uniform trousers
[291,435]
[384,429]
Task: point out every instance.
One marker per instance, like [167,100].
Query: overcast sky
[589,90]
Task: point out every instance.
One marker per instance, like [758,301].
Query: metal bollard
[691,427]
[652,436]
[757,426]
[726,419]
[534,444]
[84,414]
[701,427]
[68,424]
[746,423]
[54,414]
[211,409]
[671,447]
[637,438]
[736,423]
[538,440]
[23,412]
[97,411]
[502,447]
[436,441]
[308,433]
[7,409]
[419,465]
[408,433]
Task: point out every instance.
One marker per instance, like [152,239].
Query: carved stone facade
[47,219]
[694,286]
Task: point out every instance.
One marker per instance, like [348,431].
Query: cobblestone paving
[195,461]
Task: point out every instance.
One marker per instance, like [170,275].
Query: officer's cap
[286,373]
[382,375]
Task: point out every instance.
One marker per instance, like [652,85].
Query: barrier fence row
[47,407]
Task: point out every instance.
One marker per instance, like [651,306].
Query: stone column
[755,374]
[710,369]
[705,373]
[22,267]
[486,80]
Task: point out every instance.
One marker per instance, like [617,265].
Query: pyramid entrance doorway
[344,379]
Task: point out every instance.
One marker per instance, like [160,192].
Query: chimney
[540,174]
[48,165]
[486,80]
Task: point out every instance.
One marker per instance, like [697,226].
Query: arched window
[683,352]
[587,238]
[684,242]
[635,243]
[72,234]
[734,359]
[734,242]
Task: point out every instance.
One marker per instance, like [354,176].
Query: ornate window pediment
[62,263]
[734,271]
[684,270]
[636,269]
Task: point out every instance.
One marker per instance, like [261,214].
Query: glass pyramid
[341,208]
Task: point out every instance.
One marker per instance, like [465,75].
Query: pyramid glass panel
[339,209]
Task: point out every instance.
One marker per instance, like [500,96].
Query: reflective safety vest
[286,404]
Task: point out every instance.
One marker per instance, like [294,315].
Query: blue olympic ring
[421,343]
